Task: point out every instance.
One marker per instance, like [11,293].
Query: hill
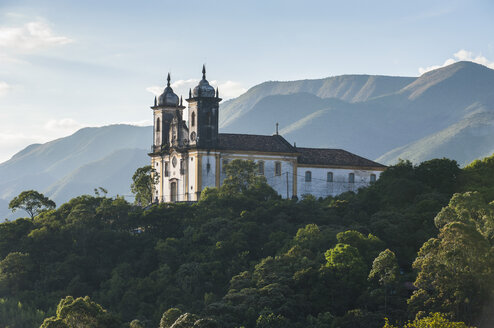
[63,168]
[373,115]
[448,112]
[252,259]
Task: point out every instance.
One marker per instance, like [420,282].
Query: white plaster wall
[208,175]
[156,164]
[174,175]
[320,187]
[191,171]
[278,183]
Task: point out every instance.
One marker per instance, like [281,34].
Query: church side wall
[277,182]
[208,171]
[319,186]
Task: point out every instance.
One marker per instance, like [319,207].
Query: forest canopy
[416,245]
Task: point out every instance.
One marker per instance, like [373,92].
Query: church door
[173,191]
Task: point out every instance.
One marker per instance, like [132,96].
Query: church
[190,154]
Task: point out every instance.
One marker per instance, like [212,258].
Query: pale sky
[69,64]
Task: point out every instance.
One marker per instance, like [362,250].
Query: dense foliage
[32,202]
[243,256]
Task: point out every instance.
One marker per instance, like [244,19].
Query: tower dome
[168,97]
[203,89]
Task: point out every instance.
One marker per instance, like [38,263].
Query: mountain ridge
[445,112]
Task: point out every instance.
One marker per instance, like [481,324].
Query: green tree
[271,320]
[136,324]
[345,275]
[368,246]
[434,320]
[189,320]
[385,269]
[80,313]
[440,174]
[169,317]
[143,182]
[32,202]
[240,176]
[15,269]
[455,273]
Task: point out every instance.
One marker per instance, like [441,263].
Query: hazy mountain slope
[60,166]
[446,112]
[351,88]
[465,141]
[430,103]
[353,127]
[113,172]
[4,210]
[284,109]
[63,155]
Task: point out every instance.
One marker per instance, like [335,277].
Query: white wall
[320,187]
[191,171]
[279,183]
[208,175]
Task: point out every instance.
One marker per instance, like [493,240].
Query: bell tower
[165,108]
[203,114]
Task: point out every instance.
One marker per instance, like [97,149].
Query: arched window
[351,177]
[372,178]
[329,177]
[193,119]
[158,125]
[308,176]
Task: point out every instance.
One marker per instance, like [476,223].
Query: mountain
[90,158]
[466,140]
[448,112]
[350,88]
[379,117]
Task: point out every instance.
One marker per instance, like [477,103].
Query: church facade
[189,154]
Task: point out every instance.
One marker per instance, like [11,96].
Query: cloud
[155,90]
[30,36]
[4,88]
[228,89]
[462,55]
[138,123]
[63,125]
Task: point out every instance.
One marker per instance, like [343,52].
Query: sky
[71,64]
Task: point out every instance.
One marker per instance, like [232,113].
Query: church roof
[255,142]
[278,144]
[336,157]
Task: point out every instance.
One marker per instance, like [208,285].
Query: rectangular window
[225,162]
[166,169]
[329,177]
[260,165]
[277,168]
[351,178]
[308,176]
[372,178]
